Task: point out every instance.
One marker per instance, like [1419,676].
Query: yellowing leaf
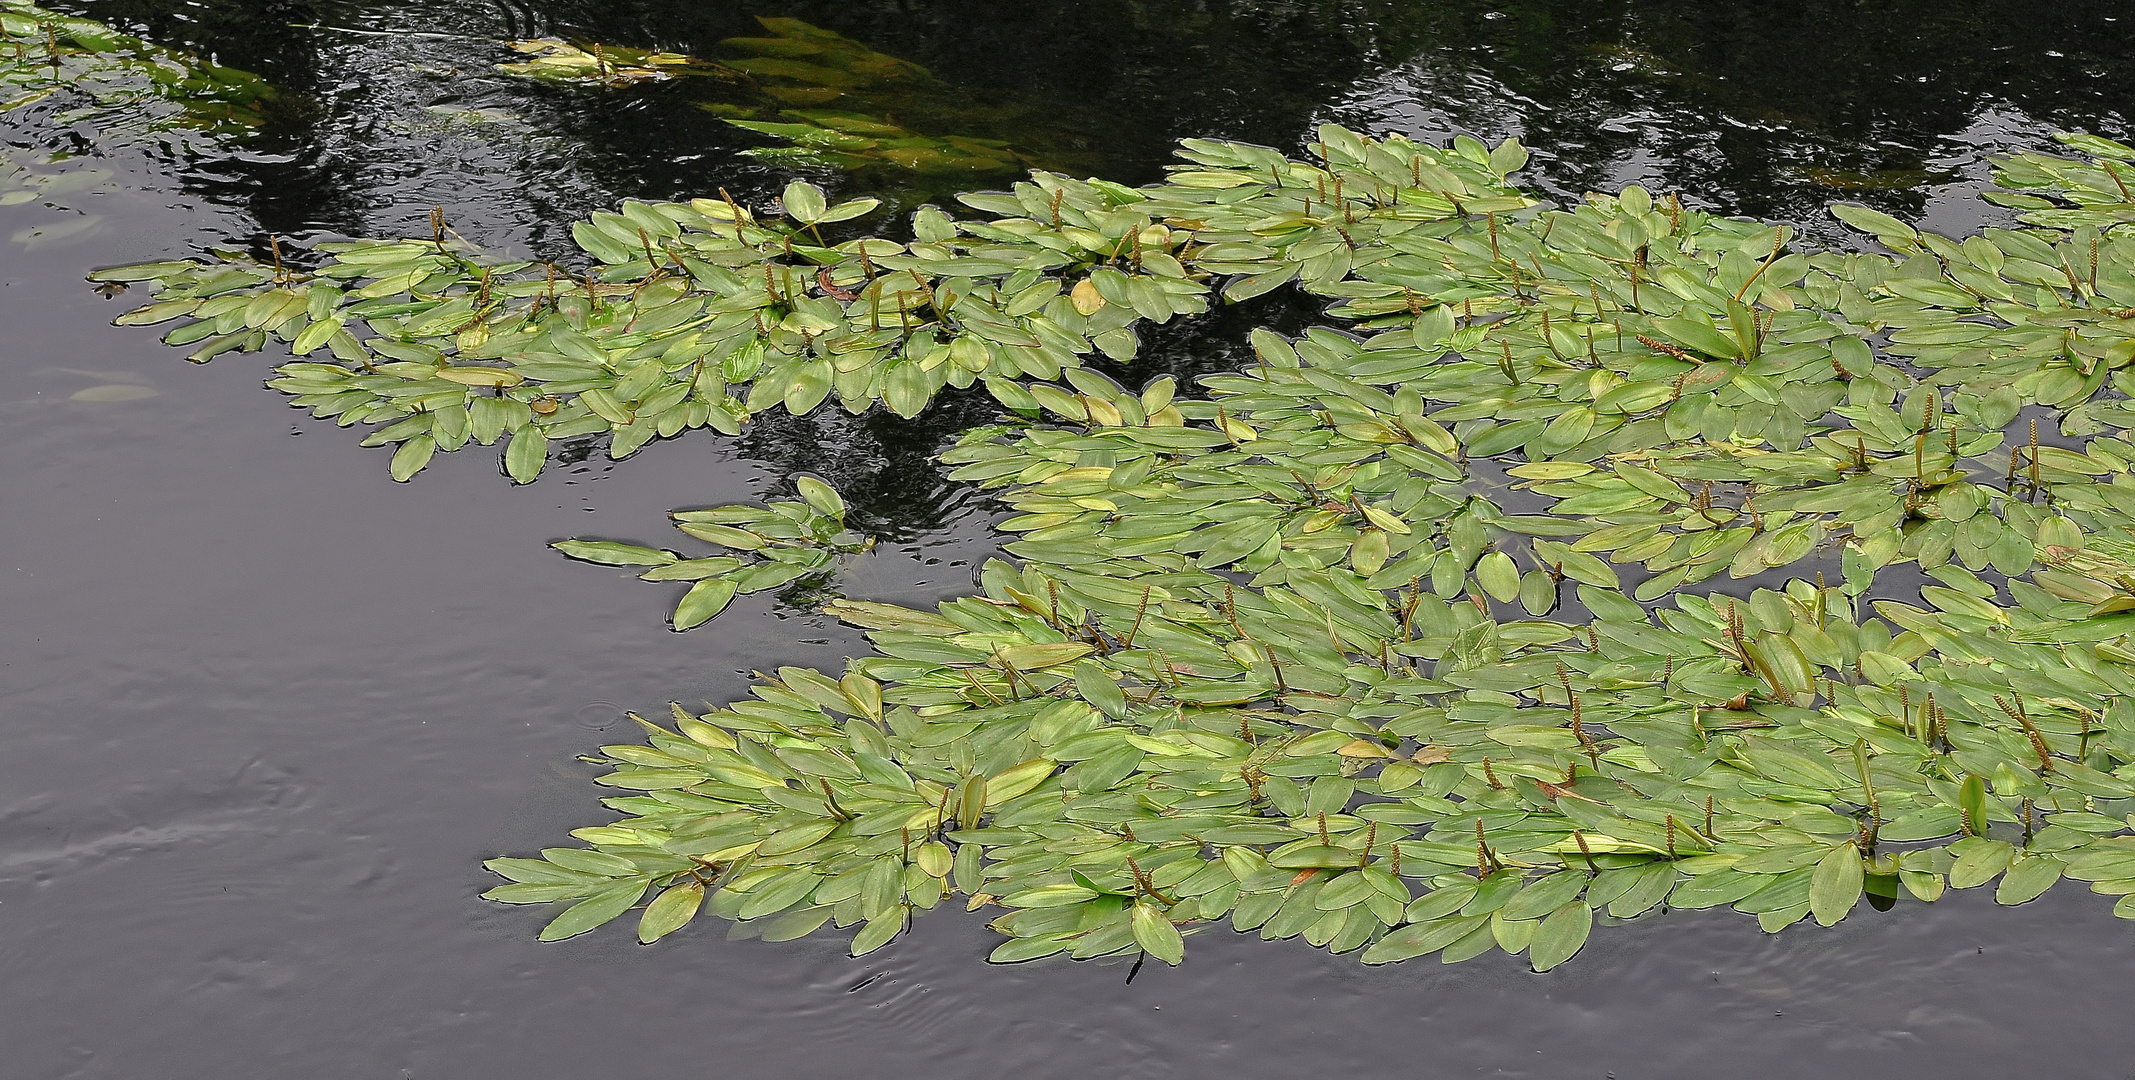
[1043,655]
[1085,298]
[1017,780]
[480,376]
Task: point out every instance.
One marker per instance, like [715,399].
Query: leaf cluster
[1264,645]
[773,546]
[1389,642]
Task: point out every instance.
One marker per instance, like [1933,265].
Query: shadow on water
[266,711]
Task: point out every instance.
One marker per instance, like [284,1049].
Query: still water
[264,711]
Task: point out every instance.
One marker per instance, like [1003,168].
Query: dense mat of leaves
[1403,641]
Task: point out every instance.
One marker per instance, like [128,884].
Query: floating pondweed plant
[1288,655]
[738,315]
[774,546]
[551,60]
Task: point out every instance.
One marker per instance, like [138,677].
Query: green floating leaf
[878,932]
[1423,938]
[703,600]
[2027,878]
[525,455]
[601,907]
[1561,935]
[670,911]
[821,496]
[804,202]
[1018,950]
[611,553]
[1836,886]
[412,456]
[1154,932]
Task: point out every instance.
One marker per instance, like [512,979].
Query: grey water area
[263,712]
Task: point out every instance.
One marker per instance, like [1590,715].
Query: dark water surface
[263,712]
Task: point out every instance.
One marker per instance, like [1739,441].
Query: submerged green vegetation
[834,103]
[1393,641]
[131,90]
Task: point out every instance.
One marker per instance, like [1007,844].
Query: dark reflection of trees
[883,466]
[273,174]
[1187,349]
[1738,102]
[375,130]
[1768,110]
[1756,108]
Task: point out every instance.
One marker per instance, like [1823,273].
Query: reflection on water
[265,711]
[1769,111]
[1761,110]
